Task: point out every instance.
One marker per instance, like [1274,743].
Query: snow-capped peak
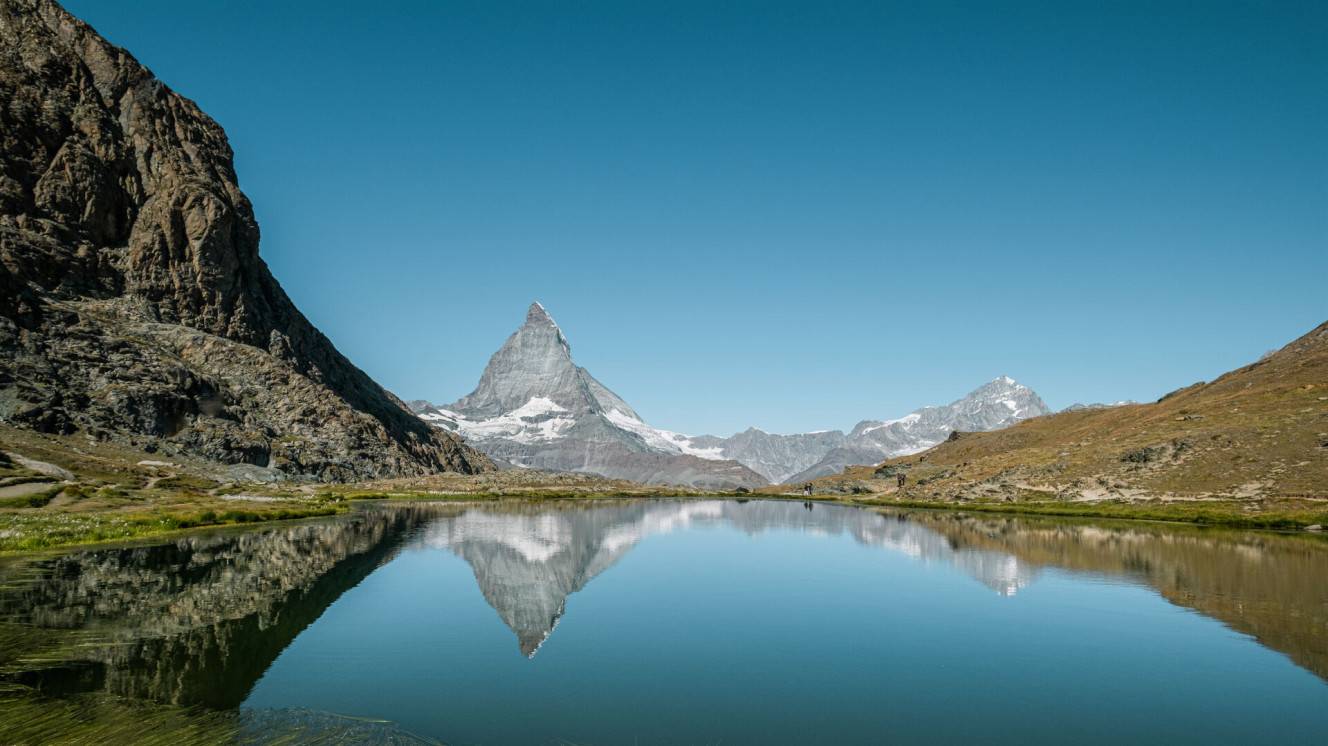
[534,406]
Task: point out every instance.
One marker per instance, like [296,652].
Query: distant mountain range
[803,456]
[534,407]
[1078,406]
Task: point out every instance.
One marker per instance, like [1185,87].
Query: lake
[674,622]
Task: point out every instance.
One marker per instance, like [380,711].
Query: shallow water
[688,622]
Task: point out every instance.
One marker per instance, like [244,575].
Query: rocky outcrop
[534,407]
[133,302]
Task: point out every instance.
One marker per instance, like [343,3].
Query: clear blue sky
[793,216]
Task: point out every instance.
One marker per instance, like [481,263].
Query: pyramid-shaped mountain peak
[535,407]
[537,315]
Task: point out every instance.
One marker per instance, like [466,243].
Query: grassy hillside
[57,490]
[1254,437]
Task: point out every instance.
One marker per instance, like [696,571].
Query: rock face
[800,457]
[535,407]
[133,303]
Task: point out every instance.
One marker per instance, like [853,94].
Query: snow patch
[535,421]
[663,440]
[904,422]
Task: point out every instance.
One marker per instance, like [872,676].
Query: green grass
[100,718]
[32,720]
[35,500]
[25,532]
[519,493]
[1228,514]
[188,482]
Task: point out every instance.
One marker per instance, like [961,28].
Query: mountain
[1258,433]
[534,407]
[775,457]
[1078,406]
[995,405]
[133,303]
[801,457]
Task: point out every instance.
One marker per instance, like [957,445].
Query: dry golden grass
[1256,437]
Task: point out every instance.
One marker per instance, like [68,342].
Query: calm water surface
[657,622]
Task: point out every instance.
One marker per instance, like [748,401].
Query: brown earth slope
[133,304]
[1256,433]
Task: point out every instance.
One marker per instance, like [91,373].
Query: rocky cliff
[133,302]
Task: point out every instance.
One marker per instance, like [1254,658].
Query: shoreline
[1217,514]
[110,528]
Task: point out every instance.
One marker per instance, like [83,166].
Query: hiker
[901,479]
[807,488]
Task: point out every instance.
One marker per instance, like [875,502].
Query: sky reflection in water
[702,621]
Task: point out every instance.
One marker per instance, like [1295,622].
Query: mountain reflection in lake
[743,621]
[528,562]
